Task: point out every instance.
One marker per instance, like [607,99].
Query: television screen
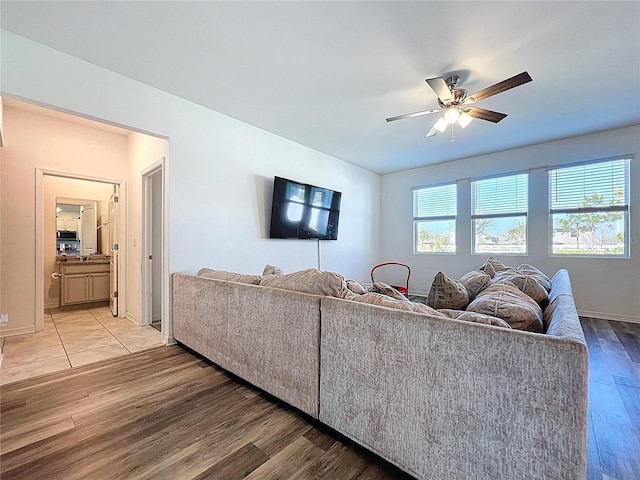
[304,211]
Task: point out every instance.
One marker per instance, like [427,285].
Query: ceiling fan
[456,105]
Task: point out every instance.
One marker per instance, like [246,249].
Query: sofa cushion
[532,271]
[311,280]
[447,293]
[504,300]
[272,270]
[355,287]
[388,290]
[382,300]
[474,317]
[526,283]
[229,276]
[475,281]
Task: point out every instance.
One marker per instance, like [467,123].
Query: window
[589,209]
[434,219]
[499,214]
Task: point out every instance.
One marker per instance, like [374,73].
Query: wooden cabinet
[84,283]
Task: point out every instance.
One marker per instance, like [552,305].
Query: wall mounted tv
[304,211]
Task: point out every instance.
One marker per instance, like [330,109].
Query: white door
[114,220]
[88,229]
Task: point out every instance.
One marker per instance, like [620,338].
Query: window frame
[517,214]
[434,218]
[626,253]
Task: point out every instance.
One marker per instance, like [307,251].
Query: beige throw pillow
[355,287]
[474,317]
[229,276]
[475,281]
[447,293]
[311,280]
[526,283]
[381,300]
[384,289]
[532,271]
[272,270]
[493,266]
[504,300]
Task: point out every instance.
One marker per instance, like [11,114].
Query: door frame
[147,279]
[39,230]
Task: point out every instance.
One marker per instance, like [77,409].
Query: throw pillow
[532,271]
[526,283]
[474,317]
[384,289]
[355,287]
[381,300]
[311,280]
[504,300]
[496,264]
[229,276]
[475,281]
[272,270]
[447,293]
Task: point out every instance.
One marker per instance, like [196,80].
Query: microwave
[67,235]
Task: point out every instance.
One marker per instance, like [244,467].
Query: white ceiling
[327,74]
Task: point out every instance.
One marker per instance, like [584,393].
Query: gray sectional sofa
[440,398]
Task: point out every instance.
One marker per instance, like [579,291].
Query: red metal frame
[400,288]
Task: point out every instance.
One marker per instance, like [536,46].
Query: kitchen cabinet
[68,224]
[84,283]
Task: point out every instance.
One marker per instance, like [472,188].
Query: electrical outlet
[4,318]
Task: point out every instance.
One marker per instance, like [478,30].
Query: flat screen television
[304,211]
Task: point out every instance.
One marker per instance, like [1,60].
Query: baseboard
[609,316]
[52,305]
[156,318]
[7,332]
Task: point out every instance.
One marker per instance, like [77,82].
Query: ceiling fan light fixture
[451,114]
[465,119]
[440,125]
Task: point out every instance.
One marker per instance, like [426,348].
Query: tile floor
[71,339]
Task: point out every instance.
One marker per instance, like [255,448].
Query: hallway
[70,339]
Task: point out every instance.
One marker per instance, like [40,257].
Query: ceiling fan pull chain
[452,135]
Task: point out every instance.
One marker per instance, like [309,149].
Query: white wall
[220,170]
[606,288]
[143,152]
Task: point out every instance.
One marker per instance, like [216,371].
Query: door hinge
[115,294]
[115,246]
[115,199]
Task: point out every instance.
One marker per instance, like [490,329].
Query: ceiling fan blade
[500,87]
[414,114]
[439,86]
[432,131]
[484,114]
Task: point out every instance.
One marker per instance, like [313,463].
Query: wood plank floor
[167,414]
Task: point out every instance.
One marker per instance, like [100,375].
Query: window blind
[500,196]
[435,202]
[602,185]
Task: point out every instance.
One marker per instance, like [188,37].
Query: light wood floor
[167,414]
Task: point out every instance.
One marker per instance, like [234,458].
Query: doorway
[153,292]
[52,191]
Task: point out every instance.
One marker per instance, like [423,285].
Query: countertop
[77,261]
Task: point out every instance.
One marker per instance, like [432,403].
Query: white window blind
[435,202]
[499,207]
[434,219]
[594,185]
[500,196]
[589,205]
